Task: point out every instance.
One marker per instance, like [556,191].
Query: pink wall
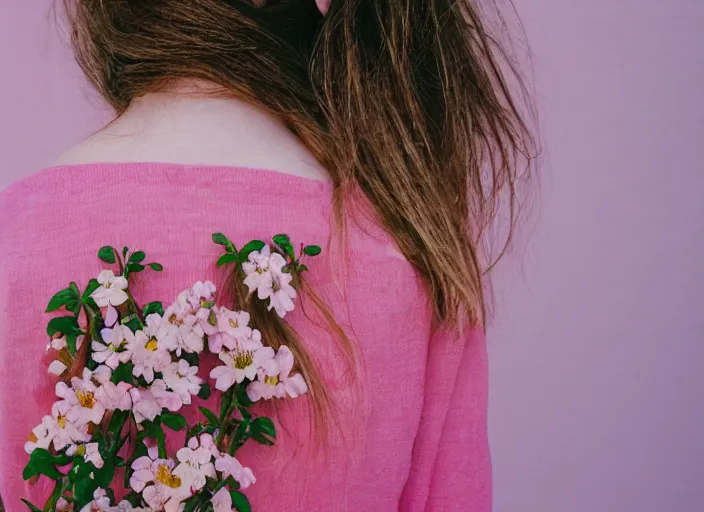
[597,349]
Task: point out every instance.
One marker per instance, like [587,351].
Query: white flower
[182,379]
[117,346]
[154,478]
[41,435]
[222,501]
[62,431]
[90,452]
[230,466]
[100,503]
[196,462]
[240,364]
[115,396]
[273,379]
[85,407]
[112,290]
[57,367]
[150,353]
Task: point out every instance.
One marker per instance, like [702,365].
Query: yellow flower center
[163,475]
[61,421]
[32,438]
[233,324]
[243,360]
[272,381]
[152,344]
[87,400]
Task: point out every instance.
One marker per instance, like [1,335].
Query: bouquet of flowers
[128,370]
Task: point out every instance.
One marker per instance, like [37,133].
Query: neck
[192,124]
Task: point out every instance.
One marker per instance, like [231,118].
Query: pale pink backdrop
[597,348]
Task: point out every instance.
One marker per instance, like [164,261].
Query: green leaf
[157,267]
[242,397]
[209,415]
[312,250]
[133,322]
[74,306]
[137,257]
[302,268]
[41,462]
[204,392]
[31,507]
[174,421]
[125,250]
[250,247]
[134,499]
[232,483]
[134,267]
[117,422]
[123,373]
[221,239]
[92,286]
[284,242]
[281,239]
[64,325]
[107,254]
[154,307]
[226,404]
[60,299]
[191,358]
[227,258]
[264,431]
[240,502]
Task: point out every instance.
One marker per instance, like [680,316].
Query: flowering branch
[128,371]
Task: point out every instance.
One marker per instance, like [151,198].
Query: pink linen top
[414,440]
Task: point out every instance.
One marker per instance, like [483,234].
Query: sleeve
[451,466]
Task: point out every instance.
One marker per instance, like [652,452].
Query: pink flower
[85,407]
[282,294]
[151,348]
[154,478]
[100,502]
[200,293]
[222,501]
[115,396]
[230,466]
[240,364]
[265,274]
[116,346]
[207,320]
[62,431]
[144,405]
[196,462]
[273,379]
[182,379]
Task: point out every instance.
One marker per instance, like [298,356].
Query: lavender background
[597,347]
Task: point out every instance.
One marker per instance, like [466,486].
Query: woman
[383,131]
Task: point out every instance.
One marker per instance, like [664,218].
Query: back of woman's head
[407,101]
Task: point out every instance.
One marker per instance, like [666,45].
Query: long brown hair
[415,103]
